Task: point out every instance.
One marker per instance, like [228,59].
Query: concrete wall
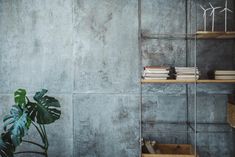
[85,52]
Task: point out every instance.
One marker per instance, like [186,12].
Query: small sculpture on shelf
[226,10]
[212,14]
[204,16]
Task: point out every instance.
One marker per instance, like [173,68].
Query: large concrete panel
[165,133]
[215,55]
[164,89]
[36,45]
[210,108]
[163,16]
[158,52]
[203,89]
[106,46]
[212,143]
[106,125]
[164,108]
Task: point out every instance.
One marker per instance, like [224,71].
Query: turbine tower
[226,10]
[204,16]
[213,16]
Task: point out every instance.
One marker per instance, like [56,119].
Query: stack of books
[156,73]
[225,74]
[187,73]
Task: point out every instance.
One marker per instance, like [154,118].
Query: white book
[187,76]
[187,72]
[153,78]
[225,72]
[186,67]
[155,75]
[155,68]
[225,77]
[157,71]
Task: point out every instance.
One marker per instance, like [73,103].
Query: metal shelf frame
[191,128]
[191,37]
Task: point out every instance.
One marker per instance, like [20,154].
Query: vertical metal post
[140,73]
[186,63]
[195,84]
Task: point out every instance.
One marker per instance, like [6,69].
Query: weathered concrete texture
[212,55]
[210,108]
[106,125]
[202,89]
[165,133]
[159,17]
[91,48]
[215,144]
[164,52]
[34,38]
[163,89]
[164,108]
[106,46]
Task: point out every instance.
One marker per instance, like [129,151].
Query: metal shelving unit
[189,36]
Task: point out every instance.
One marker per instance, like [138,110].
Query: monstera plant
[24,113]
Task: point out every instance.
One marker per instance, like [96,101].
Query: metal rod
[185,122]
[186,62]
[195,87]
[168,36]
[181,131]
[140,72]
[189,125]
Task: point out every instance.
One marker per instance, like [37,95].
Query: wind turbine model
[225,10]
[204,16]
[213,16]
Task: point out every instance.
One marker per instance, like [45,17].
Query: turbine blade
[212,12]
[230,10]
[222,10]
[211,5]
[209,8]
[202,8]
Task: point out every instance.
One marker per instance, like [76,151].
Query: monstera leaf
[45,110]
[17,123]
[6,147]
[20,97]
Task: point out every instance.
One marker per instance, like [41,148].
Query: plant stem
[42,131]
[34,143]
[41,134]
[45,133]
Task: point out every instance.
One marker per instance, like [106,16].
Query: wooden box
[231,110]
[173,150]
[231,114]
